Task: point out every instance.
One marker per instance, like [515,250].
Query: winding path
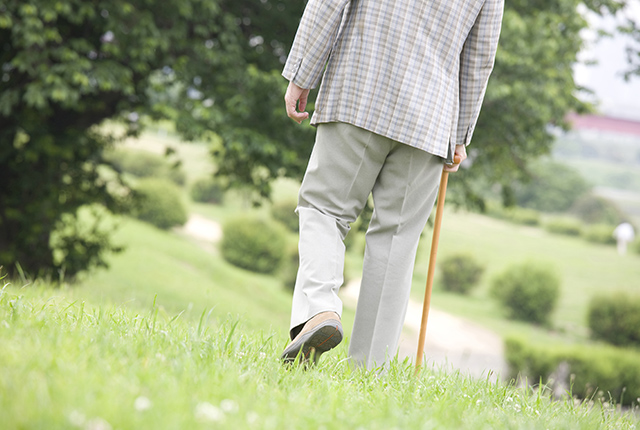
[451,341]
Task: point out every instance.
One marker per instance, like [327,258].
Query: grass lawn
[71,364]
[172,336]
[585,269]
[180,275]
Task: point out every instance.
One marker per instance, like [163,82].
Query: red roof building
[604,123]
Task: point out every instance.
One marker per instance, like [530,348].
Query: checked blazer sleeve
[476,63]
[312,45]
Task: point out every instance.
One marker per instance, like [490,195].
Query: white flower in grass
[205,411]
[77,418]
[229,406]
[97,424]
[252,417]
[263,355]
[142,403]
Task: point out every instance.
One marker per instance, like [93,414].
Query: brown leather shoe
[320,334]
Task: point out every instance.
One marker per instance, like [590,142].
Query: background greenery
[70,364]
[165,274]
[170,334]
[212,67]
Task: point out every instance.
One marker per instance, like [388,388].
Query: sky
[615,97]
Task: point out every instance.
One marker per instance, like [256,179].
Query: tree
[553,187]
[213,67]
[69,65]
[258,142]
[530,91]
[632,28]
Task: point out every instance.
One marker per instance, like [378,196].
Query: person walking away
[402,86]
[624,235]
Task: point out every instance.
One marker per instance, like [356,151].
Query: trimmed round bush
[159,202]
[460,273]
[615,318]
[522,216]
[564,225]
[207,190]
[254,244]
[596,210]
[599,233]
[284,211]
[529,291]
[145,164]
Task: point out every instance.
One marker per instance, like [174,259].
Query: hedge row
[593,369]
[564,224]
[596,233]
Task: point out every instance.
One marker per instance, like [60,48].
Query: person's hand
[459,155]
[296,96]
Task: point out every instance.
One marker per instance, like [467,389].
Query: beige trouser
[346,165]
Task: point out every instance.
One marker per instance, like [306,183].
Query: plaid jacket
[412,70]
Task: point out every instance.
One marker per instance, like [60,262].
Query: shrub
[529,291]
[253,244]
[207,190]
[284,211]
[554,187]
[615,318]
[599,233]
[593,210]
[81,240]
[159,202]
[564,225]
[594,368]
[460,273]
[522,216]
[145,164]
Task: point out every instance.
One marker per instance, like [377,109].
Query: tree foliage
[553,187]
[632,28]
[68,65]
[530,91]
[213,67]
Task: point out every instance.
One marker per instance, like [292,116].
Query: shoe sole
[313,344]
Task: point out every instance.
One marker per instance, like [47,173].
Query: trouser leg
[404,194]
[342,170]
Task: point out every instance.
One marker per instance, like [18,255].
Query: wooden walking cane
[432,264]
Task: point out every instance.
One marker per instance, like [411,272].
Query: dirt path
[451,341]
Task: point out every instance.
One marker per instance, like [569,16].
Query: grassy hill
[180,275]
[585,269]
[68,363]
[172,336]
